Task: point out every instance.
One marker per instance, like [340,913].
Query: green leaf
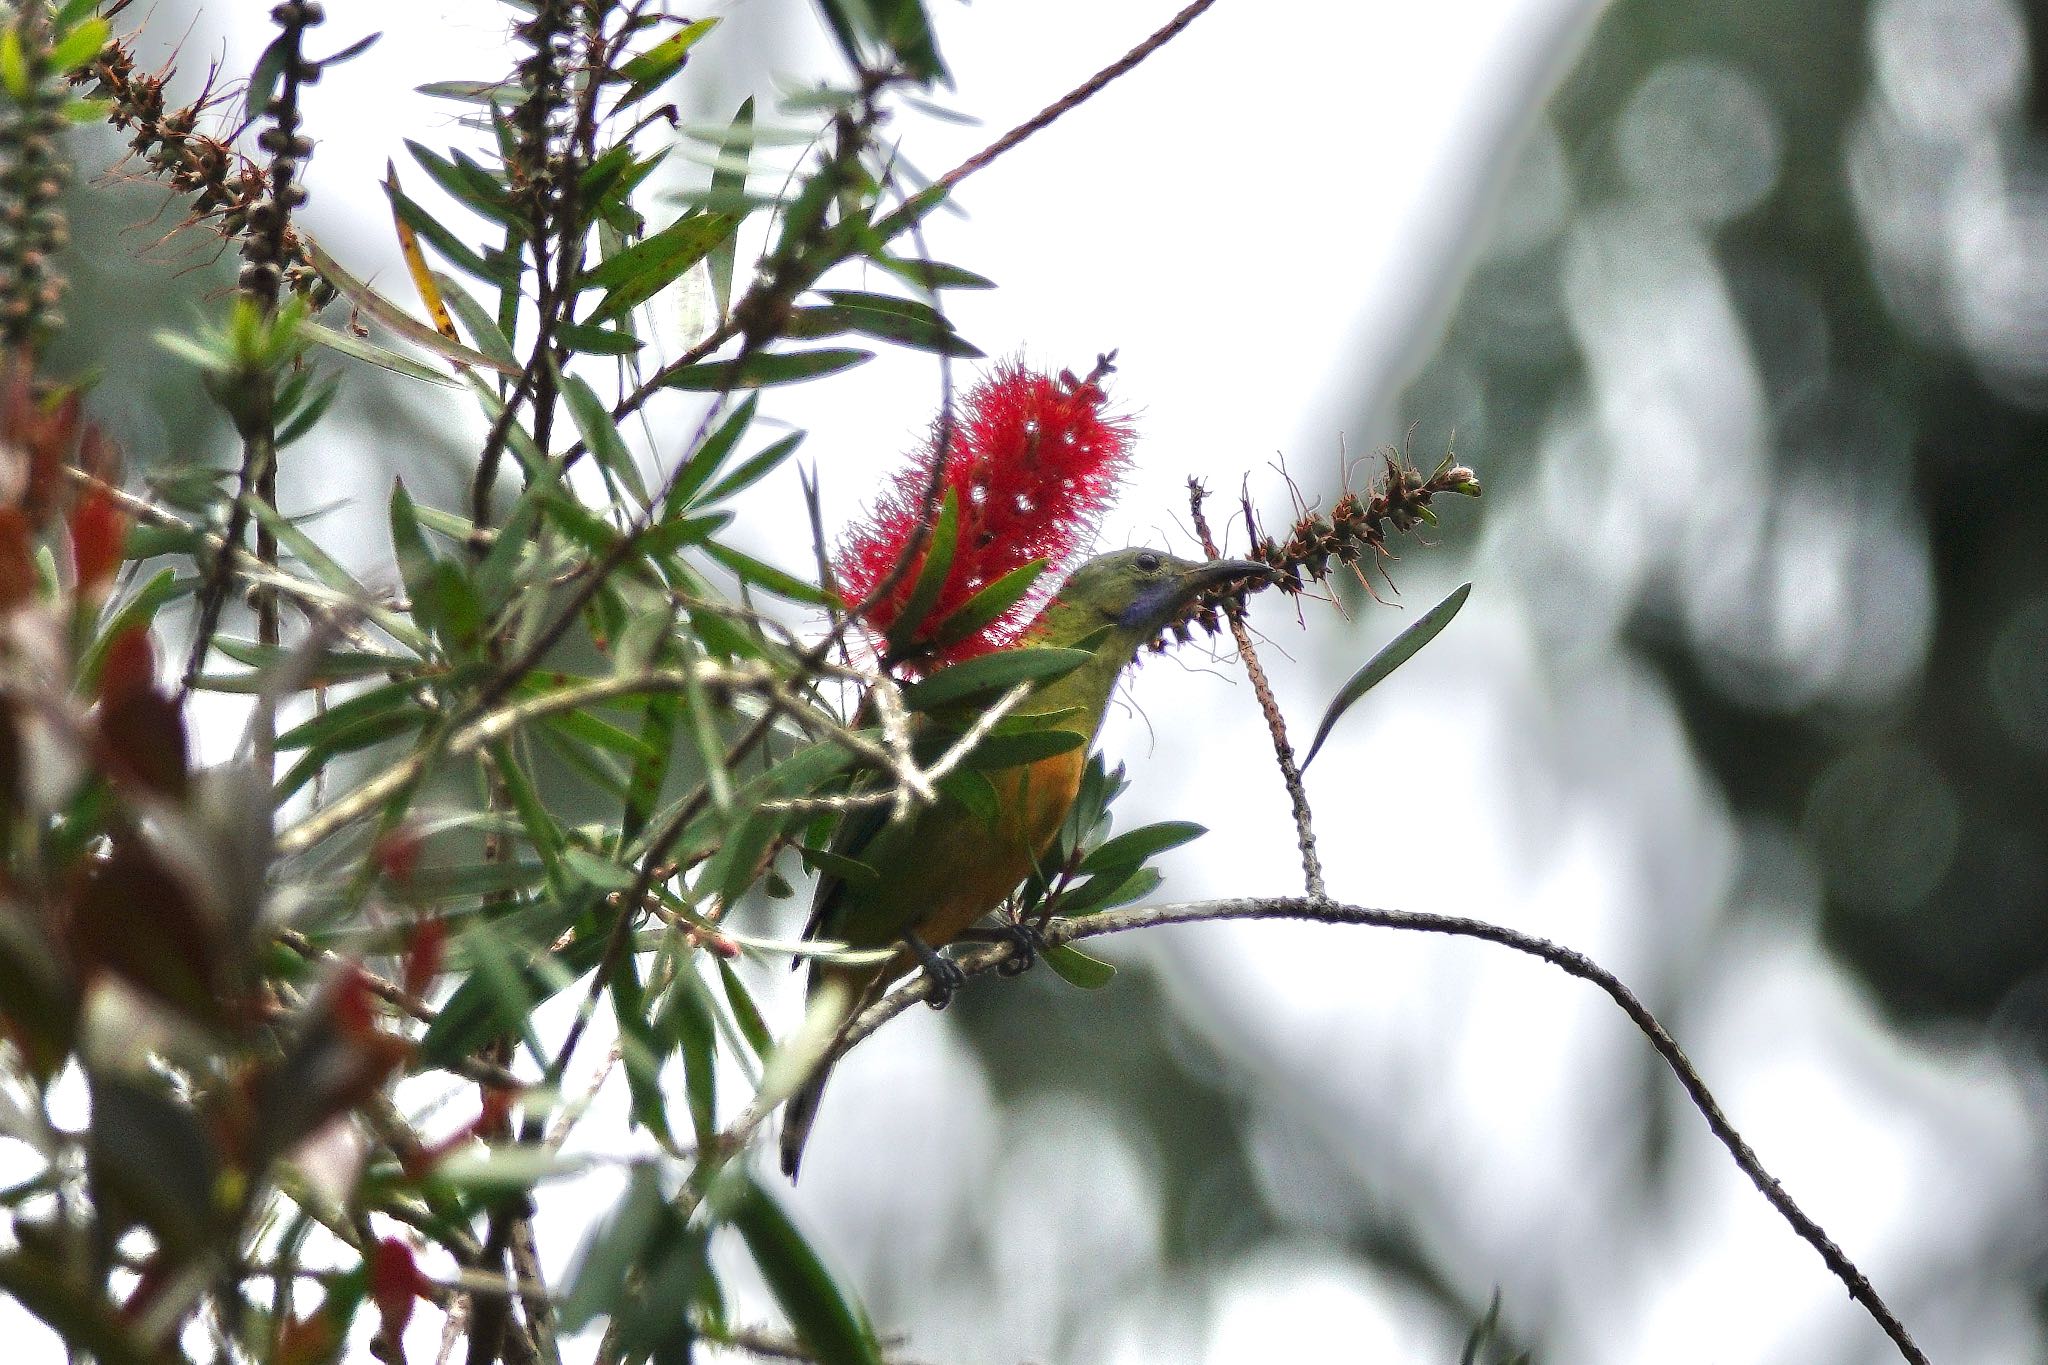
[469,183]
[991,675]
[988,604]
[86,111]
[824,1318]
[336,722]
[686,1018]
[764,371]
[351,52]
[1077,968]
[80,45]
[472,880]
[666,537]
[264,76]
[302,419]
[602,873]
[647,267]
[1139,845]
[887,324]
[933,275]
[507,1168]
[865,301]
[396,318]
[491,267]
[415,559]
[594,424]
[729,182]
[501,993]
[767,576]
[974,791]
[543,830]
[755,469]
[999,750]
[330,666]
[357,349]
[588,340]
[641,1047]
[661,61]
[931,575]
[483,328]
[1112,888]
[838,866]
[704,463]
[461,613]
[473,92]
[138,610]
[744,1012]
[1398,651]
[733,868]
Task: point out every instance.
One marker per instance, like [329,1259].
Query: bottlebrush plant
[276,1079]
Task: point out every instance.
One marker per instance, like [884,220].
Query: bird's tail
[797,1117]
[798,1070]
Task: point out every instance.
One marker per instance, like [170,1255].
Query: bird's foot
[1026,943]
[941,973]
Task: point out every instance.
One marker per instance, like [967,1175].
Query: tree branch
[1076,97]
[1567,960]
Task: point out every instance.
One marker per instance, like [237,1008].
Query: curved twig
[1567,960]
[1076,97]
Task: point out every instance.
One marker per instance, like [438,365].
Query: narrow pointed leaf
[1398,651]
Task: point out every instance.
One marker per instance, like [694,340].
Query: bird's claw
[945,977]
[942,975]
[1026,943]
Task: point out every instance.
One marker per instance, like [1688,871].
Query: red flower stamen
[1032,461]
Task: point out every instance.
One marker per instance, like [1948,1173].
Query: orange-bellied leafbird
[944,867]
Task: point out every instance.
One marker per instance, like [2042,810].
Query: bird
[941,869]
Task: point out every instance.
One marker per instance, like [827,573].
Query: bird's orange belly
[1031,800]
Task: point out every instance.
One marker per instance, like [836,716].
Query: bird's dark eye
[1148,562]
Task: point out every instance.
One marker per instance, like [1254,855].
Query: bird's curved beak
[1223,571]
[1158,604]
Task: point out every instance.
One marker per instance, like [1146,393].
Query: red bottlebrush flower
[395,1281]
[398,854]
[98,530]
[424,950]
[1032,461]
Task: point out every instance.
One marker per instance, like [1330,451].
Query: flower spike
[1029,465]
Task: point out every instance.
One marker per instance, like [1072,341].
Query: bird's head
[1139,592]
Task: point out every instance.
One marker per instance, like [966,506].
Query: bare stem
[1276,724]
[1567,960]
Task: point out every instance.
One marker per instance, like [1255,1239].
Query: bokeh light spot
[1884,824]
[1700,138]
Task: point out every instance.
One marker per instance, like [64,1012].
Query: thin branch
[1276,724]
[314,598]
[1076,97]
[1567,960]
[496,724]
